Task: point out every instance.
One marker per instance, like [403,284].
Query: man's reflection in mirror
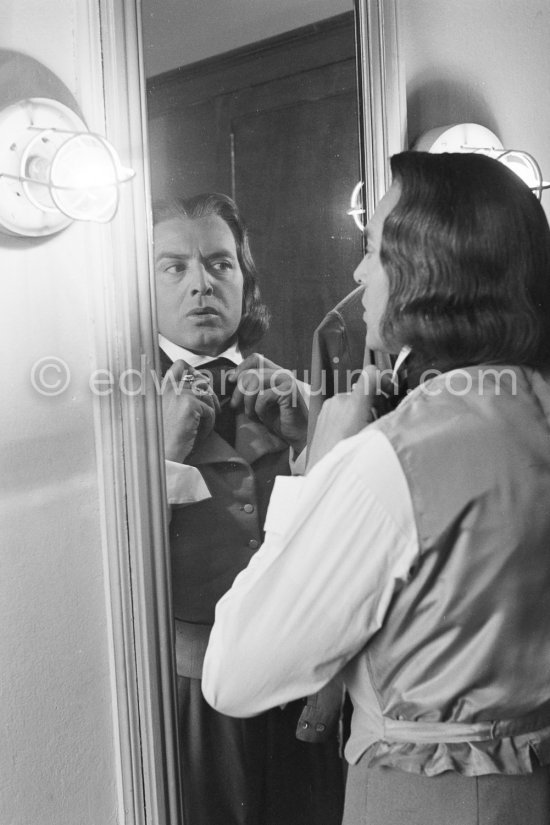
[233,421]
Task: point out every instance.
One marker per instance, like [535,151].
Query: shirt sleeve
[338,542]
[297,462]
[184,484]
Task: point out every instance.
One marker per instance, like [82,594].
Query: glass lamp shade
[470,137]
[55,170]
[523,164]
[81,180]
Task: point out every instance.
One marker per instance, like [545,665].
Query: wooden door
[275,126]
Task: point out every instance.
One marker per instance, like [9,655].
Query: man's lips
[202,311]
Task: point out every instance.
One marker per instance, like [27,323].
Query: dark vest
[213,540]
[466,640]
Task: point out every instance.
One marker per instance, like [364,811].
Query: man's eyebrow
[226,253]
[172,256]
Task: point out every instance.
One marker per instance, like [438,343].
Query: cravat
[216,373]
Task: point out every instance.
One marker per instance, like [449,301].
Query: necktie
[216,373]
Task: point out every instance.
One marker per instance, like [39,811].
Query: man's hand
[346,414]
[270,394]
[188,410]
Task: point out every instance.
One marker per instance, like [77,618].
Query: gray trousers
[385,796]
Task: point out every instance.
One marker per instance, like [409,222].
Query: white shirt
[337,541]
[175,352]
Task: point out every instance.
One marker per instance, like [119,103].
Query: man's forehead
[206,234]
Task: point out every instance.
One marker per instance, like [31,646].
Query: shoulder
[480,394]
[364,471]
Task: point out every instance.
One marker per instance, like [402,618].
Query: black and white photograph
[275,431]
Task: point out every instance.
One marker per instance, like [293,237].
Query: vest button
[319,727]
[248,508]
[253,544]
[304,725]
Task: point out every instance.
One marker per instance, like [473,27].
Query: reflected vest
[213,540]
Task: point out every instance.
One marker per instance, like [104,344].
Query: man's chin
[208,345]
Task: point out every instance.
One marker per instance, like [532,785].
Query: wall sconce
[466,137]
[469,137]
[53,170]
[356,209]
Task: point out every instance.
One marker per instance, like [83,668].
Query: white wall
[176,32]
[58,760]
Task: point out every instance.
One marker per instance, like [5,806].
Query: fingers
[202,390]
[256,365]
[368,382]
[207,420]
[249,382]
[177,370]
[188,407]
[186,420]
[376,392]
[259,378]
[262,403]
[255,361]
[280,391]
[365,395]
[256,390]
[182,379]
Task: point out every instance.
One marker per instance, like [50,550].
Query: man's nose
[359,276]
[200,283]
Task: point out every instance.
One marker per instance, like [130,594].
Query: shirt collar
[404,353]
[175,353]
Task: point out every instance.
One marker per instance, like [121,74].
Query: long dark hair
[255,315]
[467,253]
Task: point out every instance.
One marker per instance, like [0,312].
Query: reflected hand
[347,413]
[271,394]
[189,408]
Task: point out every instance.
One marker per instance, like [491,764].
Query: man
[425,529]
[226,439]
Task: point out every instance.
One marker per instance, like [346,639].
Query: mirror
[273,123]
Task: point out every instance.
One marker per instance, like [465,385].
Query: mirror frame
[128,429]
[130,449]
[382,98]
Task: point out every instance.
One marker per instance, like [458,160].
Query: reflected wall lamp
[357,209]
[53,170]
[470,137]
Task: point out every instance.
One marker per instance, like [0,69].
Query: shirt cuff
[297,463]
[184,484]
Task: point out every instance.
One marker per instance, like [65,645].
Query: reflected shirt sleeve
[337,542]
[184,484]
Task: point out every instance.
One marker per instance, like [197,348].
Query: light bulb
[53,170]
